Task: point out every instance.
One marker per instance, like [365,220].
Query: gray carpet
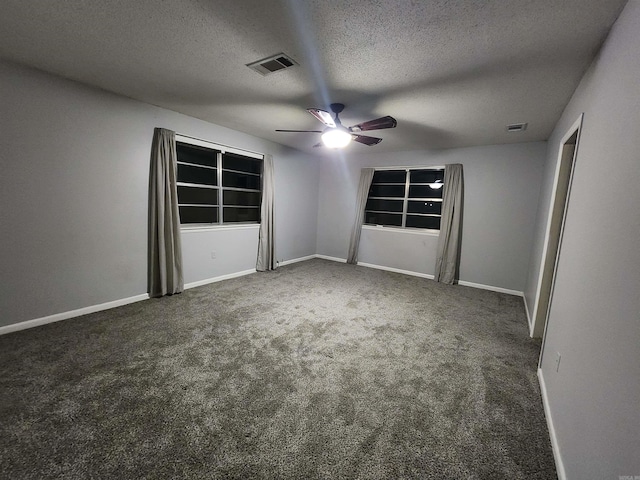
[317,370]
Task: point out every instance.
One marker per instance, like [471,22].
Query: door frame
[539,317]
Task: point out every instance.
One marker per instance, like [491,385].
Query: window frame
[220,151]
[405,201]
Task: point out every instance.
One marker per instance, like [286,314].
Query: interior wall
[74,190]
[594,321]
[501,195]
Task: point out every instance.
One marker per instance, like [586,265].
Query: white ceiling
[453,73]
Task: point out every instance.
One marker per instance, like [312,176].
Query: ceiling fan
[338,136]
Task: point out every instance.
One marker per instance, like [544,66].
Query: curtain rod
[219,144]
[413,167]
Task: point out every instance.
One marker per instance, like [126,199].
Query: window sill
[412,231]
[217,228]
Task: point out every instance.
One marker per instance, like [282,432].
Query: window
[410,198]
[217,185]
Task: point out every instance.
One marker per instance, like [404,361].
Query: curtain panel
[266,240]
[165,275]
[448,251]
[366,176]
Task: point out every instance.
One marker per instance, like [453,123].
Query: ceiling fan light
[437,185]
[336,138]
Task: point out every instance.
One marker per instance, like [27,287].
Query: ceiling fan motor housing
[337,107]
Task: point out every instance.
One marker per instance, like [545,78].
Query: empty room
[293,239]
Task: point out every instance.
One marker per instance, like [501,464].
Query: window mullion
[405,202]
[220,196]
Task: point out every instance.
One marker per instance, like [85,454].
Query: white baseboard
[207,281]
[555,447]
[396,270]
[426,275]
[490,287]
[295,260]
[116,303]
[526,309]
[36,322]
[333,259]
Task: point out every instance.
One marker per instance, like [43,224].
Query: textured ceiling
[453,73]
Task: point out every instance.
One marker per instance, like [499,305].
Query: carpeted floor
[317,370]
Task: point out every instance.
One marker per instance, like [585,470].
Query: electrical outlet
[558,357]
[213,255]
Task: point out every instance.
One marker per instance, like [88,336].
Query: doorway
[555,226]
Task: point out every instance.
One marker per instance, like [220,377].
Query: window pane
[239,180]
[206,196]
[194,154]
[385,205]
[232,215]
[424,191]
[386,191]
[424,207]
[233,197]
[415,221]
[426,176]
[383,219]
[198,214]
[389,176]
[204,176]
[232,161]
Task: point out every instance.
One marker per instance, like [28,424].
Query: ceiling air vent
[272,64]
[517,127]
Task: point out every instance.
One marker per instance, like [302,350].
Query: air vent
[272,64]
[517,127]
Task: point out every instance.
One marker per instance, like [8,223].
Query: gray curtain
[448,254]
[266,240]
[165,252]
[366,175]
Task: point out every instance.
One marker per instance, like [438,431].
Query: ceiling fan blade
[377,124]
[366,140]
[309,131]
[324,117]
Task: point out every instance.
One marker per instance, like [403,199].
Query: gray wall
[74,185]
[594,320]
[501,195]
